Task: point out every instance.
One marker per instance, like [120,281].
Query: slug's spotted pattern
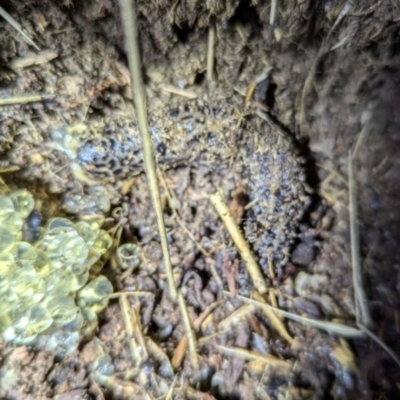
[210,133]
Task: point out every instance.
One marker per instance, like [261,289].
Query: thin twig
[238,316]
[254,356]
[131,34]
[258,105]
[135,349]
[117,295]
[271,293]
[311,74]
[250,92]
[211,52]
[367,11]
[189,331]
[244,250]
[331,327]
[275,319]
[25,98]
[18,27]
[380,342]
[209,260]
[180,349]
[179,91]
[359,293]
[362,137]
[171,389]
[9,168]
[171,197]
[272,14]
[211,265]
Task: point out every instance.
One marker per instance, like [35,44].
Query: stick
[237,237]
[331,327]
[18,27]
[272,14]
[180,92]
[24,98]
[131,32]
[359,293]
[189,331]
[210,52]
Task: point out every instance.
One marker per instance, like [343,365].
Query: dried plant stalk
[254,356]
[274,319]
[131,33]
[331,327]
[180,350]
[18,27]
[237,317]
[230,224]
[190,94]
[210,52]
[24,98]
[189,331]
[359,293]
[272,14]
[133,345]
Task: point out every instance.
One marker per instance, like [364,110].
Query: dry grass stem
[131,33]
[332,174]
[24,98]
[362,137]
[179,353]
[359,293]
[9,168]
[383,345]
[258,105]
[307,87]
[171,389]
[274,319]
[263,75]
[331,327]
[211,264]
[137,352]
[249,92]
[117,295]
[180,350]
[171,198]
[250,355]
[160,356]
[263,114]
[244,250]
[308,83]
[190,94]
[367,11]
[205,340]
[251,204]
[237,317]
[18,27]
[190,235]
[189,331]
[343,12]
[272,13]
[211,52]
[271,293]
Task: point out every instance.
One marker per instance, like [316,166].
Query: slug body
[215,134]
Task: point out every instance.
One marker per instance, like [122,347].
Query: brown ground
[334,67]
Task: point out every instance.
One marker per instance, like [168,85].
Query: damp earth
[295,91]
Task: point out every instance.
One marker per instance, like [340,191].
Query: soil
[330,83]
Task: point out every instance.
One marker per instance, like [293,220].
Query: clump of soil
[321,73]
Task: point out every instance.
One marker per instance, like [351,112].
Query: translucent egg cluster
[46,297]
